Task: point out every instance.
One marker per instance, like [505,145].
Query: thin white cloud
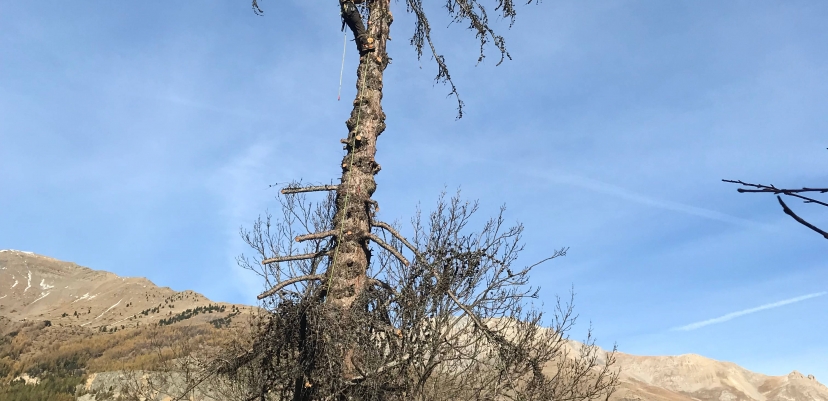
[734,315]
[242,187]
[186,102]
[614,190]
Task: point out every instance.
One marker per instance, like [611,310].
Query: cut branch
[802,221]
[392,231]
[286,283]
[294,257]
[315,188]
[319,235]
[388,248]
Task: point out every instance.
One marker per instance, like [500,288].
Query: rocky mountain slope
[58,316]
[35,287]
[60,323]
[694,377]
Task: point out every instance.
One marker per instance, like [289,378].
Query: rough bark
[352,221]
[347,277]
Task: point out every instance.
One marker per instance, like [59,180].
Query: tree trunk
[352,221]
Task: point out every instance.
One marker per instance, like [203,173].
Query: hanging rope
[341,69]
[350,165]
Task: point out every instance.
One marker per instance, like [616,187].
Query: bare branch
[558,253]
[771,188]
[383,284]
[315,188]
[392,231]
[258,11]
[795,193]
[319,235]
[450,324]
[381,369]
[288,282]
[294,257]
[776,191]
[802,221]
[388,248]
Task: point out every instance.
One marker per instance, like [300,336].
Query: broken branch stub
[286,283]
[294,257]
[315,188]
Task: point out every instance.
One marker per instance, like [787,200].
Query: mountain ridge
[39,287]
[35,289]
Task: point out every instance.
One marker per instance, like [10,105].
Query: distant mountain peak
[36,287]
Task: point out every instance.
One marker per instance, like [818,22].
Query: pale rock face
[694,377]
[152,385]
[29,380]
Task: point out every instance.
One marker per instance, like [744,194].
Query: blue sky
[137,137]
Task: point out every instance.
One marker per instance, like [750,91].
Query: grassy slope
[62,356]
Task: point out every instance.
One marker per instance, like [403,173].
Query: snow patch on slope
[42,295]
[108,309]
[16,251]
[28,281]
[45,286]
[85,296]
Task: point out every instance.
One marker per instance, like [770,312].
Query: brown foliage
[29,347]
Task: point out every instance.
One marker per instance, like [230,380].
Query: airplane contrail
[729,316]
[623,193]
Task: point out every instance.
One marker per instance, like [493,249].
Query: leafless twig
[794,193]
[802,221]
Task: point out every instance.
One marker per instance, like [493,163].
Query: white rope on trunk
[341,69]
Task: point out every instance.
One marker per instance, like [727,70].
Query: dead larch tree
[351,317]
